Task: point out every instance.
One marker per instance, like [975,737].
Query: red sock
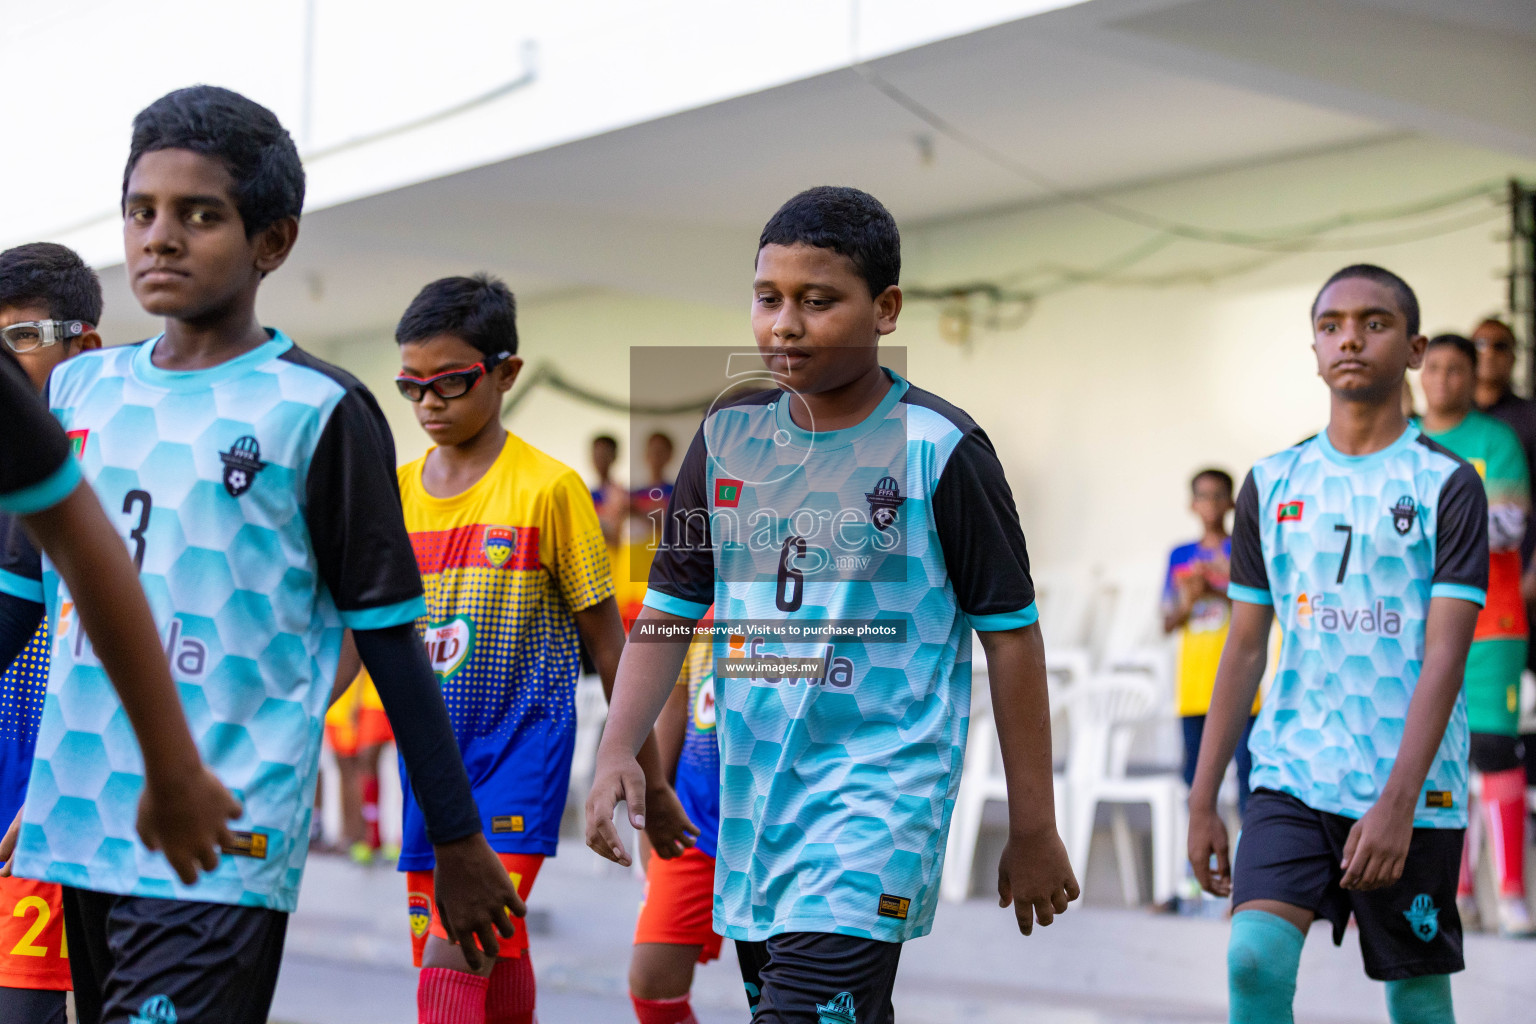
[1504,799]
[663,1011]
[450,997]
[371,809]
[510,997]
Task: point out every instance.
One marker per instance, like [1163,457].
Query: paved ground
[348,962]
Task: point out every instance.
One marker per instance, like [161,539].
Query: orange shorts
[678,908]
[33,953]
[523,867]
[357,720]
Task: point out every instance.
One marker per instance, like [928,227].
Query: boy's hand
[1035,875]
[8,844]
[1207,839]
[1377,847]
[186,816]
[473,893]
[666,823]
[616,780]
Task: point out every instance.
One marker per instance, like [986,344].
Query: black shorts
[816,977]
[32,1006]
[144,959]
[1290,852]
[1491,752]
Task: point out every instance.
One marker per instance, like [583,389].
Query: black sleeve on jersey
[685,565]
[979,531]
[1248,569]
[18,554]
[397,661]
[19,619]
[352,507]
[32,444]
[1461,530]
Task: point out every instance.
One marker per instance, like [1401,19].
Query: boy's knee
[1262,960]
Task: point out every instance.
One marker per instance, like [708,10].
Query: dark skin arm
[672,729]
[1377,845]
[347,668]
[666,825]
[647,675]
[184,810]
[1237,682]
[1034,873]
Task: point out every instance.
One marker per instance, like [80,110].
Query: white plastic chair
[1104,713]
[982,781]
[1065,599]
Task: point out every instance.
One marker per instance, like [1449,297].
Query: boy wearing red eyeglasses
[516,570]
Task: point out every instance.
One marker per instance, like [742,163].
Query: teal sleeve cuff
[664,602]
[1461,592]
[20,586]
[45,494]
[1026,616]
[386,616]
[1249,595]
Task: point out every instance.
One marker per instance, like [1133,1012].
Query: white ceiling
[1096,96]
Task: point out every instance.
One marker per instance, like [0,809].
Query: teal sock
[1263,957]
[1425,1000]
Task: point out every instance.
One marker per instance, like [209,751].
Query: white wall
[1109,397]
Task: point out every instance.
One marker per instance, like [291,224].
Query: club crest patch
[1403,514]
[241,464]
[837,1010]
[1423,917]
[499,544]
[884,500]
[155,1010]
[420,909]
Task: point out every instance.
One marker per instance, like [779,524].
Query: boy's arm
[364,556]
[1237,681]
[988,566]
[666,824]
[184,810]
[1034,873]
[672,730]
[1378,843]
[647,673]
[347,668]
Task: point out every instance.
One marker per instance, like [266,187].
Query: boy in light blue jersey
[843,494]
[1370,543]
[255,488]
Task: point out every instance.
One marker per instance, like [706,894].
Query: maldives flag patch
[1290,511]
[727,493]
[76,440]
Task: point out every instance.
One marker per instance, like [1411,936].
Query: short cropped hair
[1456,341]
[240,133]
[1221,476]
[479,309]
[607,439]
[52,276]
[1408,301]
[847,221]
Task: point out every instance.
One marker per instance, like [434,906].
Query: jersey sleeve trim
[664,602]
[1000,621]
[1461,592]
[20,586]
[44,494]
[1250,595]
[387,615]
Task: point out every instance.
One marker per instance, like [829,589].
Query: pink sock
[1504,800]
[450,997]
[510,998]
[663,1011]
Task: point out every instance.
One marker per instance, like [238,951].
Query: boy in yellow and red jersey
[516,572]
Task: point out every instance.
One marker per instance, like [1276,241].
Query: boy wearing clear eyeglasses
[516,570]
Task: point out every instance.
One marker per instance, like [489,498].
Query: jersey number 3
[141,502]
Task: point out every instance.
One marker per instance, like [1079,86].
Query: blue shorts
[1291,853]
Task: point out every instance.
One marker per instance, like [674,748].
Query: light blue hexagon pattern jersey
[1349,550]
[836,791]
[250,496]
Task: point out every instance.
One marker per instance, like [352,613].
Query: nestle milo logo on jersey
[1331,618]
[449,644]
